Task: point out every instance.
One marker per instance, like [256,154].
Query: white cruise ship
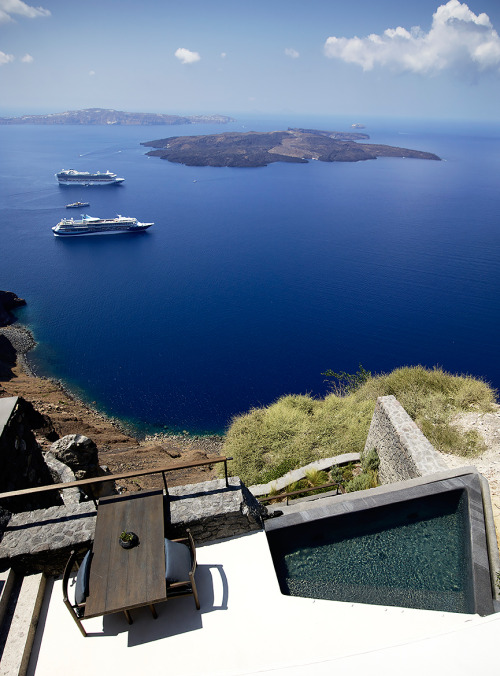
[74,177]
[88,225]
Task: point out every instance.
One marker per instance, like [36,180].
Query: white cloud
[91,73]
[27,58]
[9,7]
[457,40]
[292,53]
[186,56]
[223,55]
[5,58]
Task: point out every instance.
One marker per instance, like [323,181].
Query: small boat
[76,205]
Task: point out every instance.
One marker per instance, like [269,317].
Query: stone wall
[404,452]
[213,511]
[41,540]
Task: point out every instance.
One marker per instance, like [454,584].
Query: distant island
[258,149]
[104,116]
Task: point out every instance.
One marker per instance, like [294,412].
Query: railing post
[225,472]
[165,483]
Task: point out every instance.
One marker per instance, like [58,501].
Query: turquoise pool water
[414,554]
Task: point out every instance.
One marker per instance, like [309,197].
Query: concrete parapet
[404,452]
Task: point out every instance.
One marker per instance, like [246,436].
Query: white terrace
[246,626]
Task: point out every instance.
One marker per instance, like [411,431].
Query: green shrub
[347,472]
[361,482]
[335,474]
[315,477]
[370,460]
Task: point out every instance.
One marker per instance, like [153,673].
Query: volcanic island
[258,149]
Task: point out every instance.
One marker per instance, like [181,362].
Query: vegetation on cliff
[298,429]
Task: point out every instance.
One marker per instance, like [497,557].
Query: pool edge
[485,560]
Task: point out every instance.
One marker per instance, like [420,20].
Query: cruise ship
[88,225]
[74,177]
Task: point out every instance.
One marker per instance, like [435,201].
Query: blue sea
[252,282]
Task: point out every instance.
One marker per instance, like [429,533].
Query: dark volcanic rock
[256,149]
[21,462]
[9,301]
[8,358]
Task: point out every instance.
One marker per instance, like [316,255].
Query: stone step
[19,623]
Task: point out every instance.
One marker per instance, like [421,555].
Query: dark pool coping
[484,549]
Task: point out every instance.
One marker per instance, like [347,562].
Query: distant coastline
[104,116]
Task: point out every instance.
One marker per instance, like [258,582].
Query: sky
[397,58]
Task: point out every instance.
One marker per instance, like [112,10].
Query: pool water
[413,554]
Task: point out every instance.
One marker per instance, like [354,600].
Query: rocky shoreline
[66,414]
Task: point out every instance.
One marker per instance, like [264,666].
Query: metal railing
[280,496]
[118,477]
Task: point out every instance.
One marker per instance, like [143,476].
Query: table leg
[128,616]
[153,611]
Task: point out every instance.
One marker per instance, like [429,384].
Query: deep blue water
[252,282]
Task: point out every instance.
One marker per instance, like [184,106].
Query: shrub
[344,383]
[370,460]
[316,477]
[335,474]
[361,482]
[347,472]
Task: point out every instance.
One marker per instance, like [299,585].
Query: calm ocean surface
[252,282]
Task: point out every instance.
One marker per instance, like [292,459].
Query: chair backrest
[71,606]
[67,572]
[184,587]
[193,550]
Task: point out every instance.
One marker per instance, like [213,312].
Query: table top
[121,579]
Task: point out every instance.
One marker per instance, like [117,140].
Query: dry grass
[298,429]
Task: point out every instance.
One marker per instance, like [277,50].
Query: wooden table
[122,579]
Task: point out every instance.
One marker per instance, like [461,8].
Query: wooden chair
[76,609]
[186,585]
